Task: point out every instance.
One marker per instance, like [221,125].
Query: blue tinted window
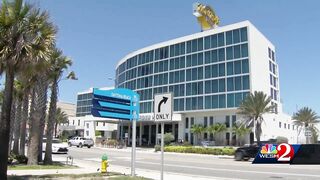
[230,68]
[194,45]
[244,50]
[244,34]
[188,76]
[221,39]
[200,58]
[229,37]
[200,102]
[214,86]
[236,36]
[182,75]
[171,50]
[207,42]
[188,89]
[207,87]
[237,83]
[245,66]
[221,54]
[189,47]
[207,57]
[214,41]
[236,51]
[200,44]
[222,85]
[245,82]
[237,67]
[194,73]
[229,53]
[207,71]
[214,56]
[200,72]
[222,101]
[188,103]
[194,59]
[207,101]
[214,70]
[182,48]
[215,101]
[230,84]
[238,99]
[230,100]
[221,69]
[189,61]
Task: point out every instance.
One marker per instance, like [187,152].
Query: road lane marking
[234,170]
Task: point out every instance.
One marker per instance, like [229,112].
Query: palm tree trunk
[5,123]
[258,132]
[36,115]
[32,109]
[42,121]
[16,129]
[51,121]
[55,129]
[25,111]
[12,120]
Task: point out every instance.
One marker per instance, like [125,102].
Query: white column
[140,134]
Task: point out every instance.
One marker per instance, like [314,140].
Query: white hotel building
[209,74]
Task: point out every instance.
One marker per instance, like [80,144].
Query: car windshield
[56,141]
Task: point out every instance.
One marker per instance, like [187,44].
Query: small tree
[168,138]
[241,131]
[216,129]
[197,130]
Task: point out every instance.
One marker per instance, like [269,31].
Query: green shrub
[157,148]
[200,150]
[168,138]
[281,139]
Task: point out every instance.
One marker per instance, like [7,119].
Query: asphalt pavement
[205,166]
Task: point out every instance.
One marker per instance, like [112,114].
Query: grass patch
[55,165]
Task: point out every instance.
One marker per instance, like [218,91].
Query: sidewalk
[86,167]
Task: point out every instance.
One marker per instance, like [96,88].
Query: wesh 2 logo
[271,153]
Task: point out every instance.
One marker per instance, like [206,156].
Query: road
[201,165]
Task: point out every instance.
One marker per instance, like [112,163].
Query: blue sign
[117,103]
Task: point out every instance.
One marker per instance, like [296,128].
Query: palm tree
[215,129]
[254,107]
[61,118]
[240,130]
[24,38]
[198,129]
[16,125]
[58,64]
[305,118]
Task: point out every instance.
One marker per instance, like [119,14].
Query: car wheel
[238,156]
[69,144]
[89,146]
[80,145]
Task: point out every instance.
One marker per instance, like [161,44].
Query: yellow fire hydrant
[104,163]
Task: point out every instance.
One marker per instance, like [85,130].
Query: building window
[205,121]
[187,123]
[288,126]
[227,121]
[234,120]
[186,137]
[285,125]
[211,120]
[192,121]
[78,122]
[73,122]
[104,124]
[279,124]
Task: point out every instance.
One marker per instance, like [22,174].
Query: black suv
[246,152]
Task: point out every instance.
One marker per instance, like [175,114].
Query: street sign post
[118,104]
[163,113]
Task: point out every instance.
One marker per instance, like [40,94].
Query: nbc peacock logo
[268,151]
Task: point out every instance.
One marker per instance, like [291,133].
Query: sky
[96,34]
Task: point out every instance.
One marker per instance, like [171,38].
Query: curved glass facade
[211,72]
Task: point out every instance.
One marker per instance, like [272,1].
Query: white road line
[234,170]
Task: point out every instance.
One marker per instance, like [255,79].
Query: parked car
[80,142]
[57,146]
[246,152]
